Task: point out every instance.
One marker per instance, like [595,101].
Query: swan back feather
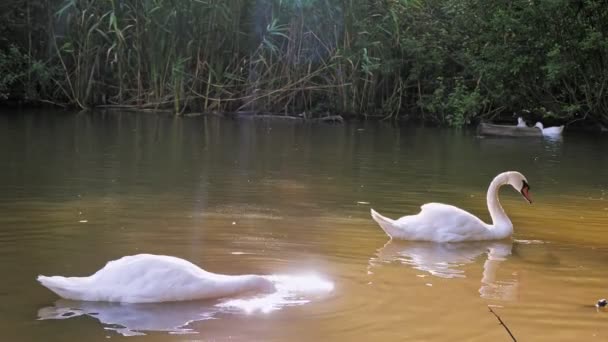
[436,222]
[147,278]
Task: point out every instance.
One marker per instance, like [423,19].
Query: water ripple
[176,318]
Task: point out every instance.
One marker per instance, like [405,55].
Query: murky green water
[77,190]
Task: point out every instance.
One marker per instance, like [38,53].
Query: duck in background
[521,122]
[550,131]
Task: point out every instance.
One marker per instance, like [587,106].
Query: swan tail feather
[387,224]
[68,288]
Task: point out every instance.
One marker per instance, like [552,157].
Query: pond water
[292,200]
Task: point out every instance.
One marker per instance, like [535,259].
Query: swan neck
[500,220]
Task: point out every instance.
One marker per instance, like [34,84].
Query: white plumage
[446,223]
[521,122]
[551,131]
[147,278]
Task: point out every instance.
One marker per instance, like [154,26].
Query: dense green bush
[452,62]
[23,78]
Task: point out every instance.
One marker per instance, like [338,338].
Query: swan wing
[443,223]
[148,278]
[139,279]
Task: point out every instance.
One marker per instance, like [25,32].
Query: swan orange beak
[525,192]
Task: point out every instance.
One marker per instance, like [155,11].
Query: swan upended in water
[446,223]
[130,319]
[148,278]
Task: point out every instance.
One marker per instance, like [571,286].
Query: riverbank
[445,62]
[327,118]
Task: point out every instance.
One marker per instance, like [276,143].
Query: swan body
[521,122]
[147,278]
[446,223]
[556,130]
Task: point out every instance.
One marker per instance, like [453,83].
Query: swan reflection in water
[133,319]
[176,317]
[446,260]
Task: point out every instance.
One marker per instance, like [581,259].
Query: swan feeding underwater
[148,278]
[446,223]
[131,319]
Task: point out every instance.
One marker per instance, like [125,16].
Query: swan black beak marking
[524,192]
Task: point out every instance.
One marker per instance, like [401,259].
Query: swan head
[520,121]
[520,184]
[601,303]
[539,125]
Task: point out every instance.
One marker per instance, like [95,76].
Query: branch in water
[502,323]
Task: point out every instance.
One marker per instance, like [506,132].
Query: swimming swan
[148,278]
[556,130]
[445,223]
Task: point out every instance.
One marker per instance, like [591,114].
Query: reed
[444,61]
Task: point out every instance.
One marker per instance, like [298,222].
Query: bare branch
[502,323]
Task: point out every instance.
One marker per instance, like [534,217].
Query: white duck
[445,223]
[550,130]
[521,122]
[147,278]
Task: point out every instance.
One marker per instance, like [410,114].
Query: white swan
[521,122]
[445,223]
[556,130]
[147,278]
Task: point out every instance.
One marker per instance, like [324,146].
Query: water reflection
[135,319]
[553,146]
[554,139]
[446,260]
